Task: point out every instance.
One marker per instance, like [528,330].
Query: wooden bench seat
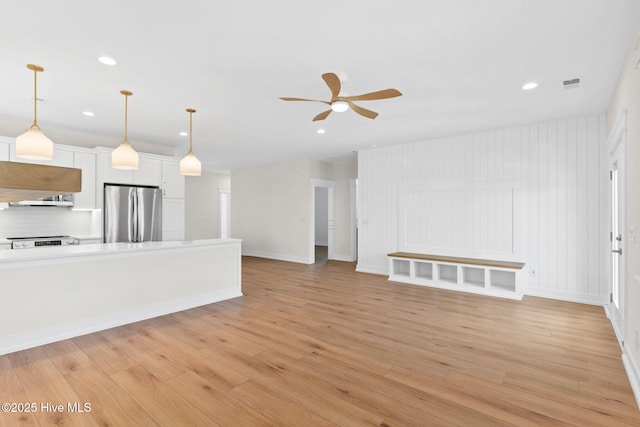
[458,260]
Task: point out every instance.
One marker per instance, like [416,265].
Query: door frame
[617,146]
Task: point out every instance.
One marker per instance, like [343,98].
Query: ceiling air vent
[571,83]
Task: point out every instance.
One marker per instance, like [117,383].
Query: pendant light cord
[35,98]
[126,94]
[190,131]
[126,107]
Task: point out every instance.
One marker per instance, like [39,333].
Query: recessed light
[88,113]
[321,131]
[529,85]
[107,60]
[184,134]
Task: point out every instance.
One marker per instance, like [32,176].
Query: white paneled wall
[558,172]
[464,220]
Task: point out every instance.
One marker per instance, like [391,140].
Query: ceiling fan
[342,103]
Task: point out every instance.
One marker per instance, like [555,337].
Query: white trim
[618,141]
[372,269]
[619,336]
[618,132]
[353,216]
[61,332]
[278,257]
[559,295]
[633,374]
[343,257]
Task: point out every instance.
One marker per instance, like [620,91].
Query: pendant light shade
[33,144]
[124,156]
[190,165]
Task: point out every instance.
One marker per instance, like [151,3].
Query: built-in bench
[480,276]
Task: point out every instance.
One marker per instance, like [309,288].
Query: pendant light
[33,144]
[190,165]
[125,157]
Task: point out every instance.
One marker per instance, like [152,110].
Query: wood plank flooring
[322,345]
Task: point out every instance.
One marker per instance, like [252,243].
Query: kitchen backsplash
[48,221]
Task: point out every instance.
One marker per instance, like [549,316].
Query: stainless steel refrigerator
[132,213]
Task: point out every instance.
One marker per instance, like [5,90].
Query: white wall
[558,169]
[202,205]
[627,97]
[271,208]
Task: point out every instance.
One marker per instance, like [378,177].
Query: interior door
[617,296]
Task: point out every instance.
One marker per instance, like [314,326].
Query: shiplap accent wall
[461,220]
[558,166]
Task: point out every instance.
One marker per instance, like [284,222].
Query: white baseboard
[278,257]
[341,257]
[565,296]
[633,374]
[372,269]
[62,332]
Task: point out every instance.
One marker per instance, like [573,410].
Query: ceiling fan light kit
[124,156]
[34,144]
[340,104]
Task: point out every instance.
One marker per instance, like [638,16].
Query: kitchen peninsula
[51,294]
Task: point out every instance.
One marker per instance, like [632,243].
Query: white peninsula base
[51,294]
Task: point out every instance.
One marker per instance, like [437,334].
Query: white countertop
[37,255]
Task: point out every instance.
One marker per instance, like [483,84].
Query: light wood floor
[322,345]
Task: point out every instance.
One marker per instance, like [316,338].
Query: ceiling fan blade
[381,94]
[322,115]
[363,111]
[302,99]
[334,84]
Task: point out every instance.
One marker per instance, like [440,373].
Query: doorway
[321,224]
[617,202]
[321,237]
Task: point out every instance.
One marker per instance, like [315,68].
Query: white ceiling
[459,63]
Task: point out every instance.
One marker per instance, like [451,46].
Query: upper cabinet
[86,199]
[4,147]
[62,156]
[149,171]
[172,181]
[154,170]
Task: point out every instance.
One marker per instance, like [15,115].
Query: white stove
[42,241]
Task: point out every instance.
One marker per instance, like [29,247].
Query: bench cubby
[480,276]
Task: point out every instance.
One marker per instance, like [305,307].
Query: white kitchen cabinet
[110,175]
[62,156]
[149,171]
[172,181]
[86,199]
[4,147]
[172,219]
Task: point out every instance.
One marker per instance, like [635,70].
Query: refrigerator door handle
[134,216]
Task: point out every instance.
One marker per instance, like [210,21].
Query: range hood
[26,181]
